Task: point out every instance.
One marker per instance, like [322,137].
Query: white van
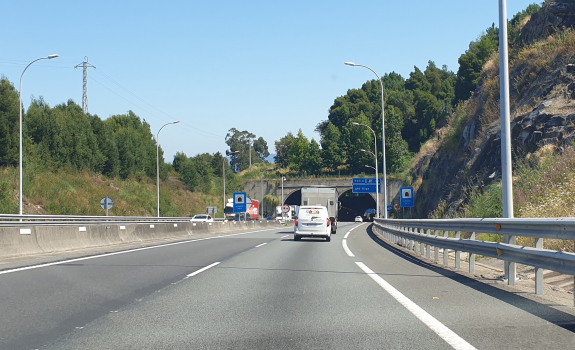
[312,221]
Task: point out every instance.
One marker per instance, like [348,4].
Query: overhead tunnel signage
[365,185]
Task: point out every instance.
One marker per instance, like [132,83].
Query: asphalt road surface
[262,290]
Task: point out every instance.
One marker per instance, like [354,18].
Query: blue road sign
[240,202]
[365,185]
[389,208]
[407,197]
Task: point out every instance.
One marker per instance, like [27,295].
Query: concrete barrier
[53,239]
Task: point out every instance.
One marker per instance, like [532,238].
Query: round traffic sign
[107,203]
[396,206]
[285,208]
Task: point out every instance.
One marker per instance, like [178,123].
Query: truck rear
[324,196]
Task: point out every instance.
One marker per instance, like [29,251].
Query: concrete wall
[53,239]
[273,187]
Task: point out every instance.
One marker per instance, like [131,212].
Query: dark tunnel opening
[294,198]
[354,204]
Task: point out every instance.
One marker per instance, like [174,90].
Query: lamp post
[158,161]
[283,179]
[21,194]
[369,166]
[262,188]
[506,159]
[224,173]
[382,134]
[376,171]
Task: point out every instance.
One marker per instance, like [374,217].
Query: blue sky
[268,67]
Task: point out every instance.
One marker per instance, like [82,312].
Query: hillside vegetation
[458,174]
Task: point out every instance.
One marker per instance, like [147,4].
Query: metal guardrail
[15,220]
[425,233]
[7,220]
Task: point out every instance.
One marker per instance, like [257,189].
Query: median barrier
[53,239]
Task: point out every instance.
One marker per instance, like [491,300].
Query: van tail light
[296,221]
[328,222]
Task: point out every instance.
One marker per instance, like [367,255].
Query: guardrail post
[403,239]
[538,270]
[457,252]
[445,250]
[472,256]
[413,243]
[421,246]
[427,246]
[510,267]
[437,248]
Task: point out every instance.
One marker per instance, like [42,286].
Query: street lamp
[158,161]
[224,172]
[21,194]
[382,134]
[283,179]
[262,188]
[376,171]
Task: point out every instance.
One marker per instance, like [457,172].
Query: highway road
[262,290]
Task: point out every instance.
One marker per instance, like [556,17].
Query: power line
[163,116]
[186,126]
[167,116]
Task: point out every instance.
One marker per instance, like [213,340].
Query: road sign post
[107,203]
[407,199]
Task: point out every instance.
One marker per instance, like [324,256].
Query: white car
[202,218]
[358,219]
[313,222]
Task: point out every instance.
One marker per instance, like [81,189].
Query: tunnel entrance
[294,198]
[354,204]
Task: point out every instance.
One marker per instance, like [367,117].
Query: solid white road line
[285,236]
[125,251]
[259,245]
[347,234]
[439,328]
[344,244]
[202,269]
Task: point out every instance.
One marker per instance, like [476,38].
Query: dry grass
[72,192]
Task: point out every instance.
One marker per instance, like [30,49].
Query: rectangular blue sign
[407,197]
[365,185]
[240,202]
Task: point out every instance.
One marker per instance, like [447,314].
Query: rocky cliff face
[555,15]
[543,113]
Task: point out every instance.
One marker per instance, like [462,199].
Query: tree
[260,147]
[136,145]
[9,129]
[178,161]
[240,141]
[189,173]
[283,147]
[332,151]
[472,61]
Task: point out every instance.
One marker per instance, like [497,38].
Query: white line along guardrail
[425,233]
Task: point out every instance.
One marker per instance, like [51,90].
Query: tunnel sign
[365,185]
[407,200]
[240,202]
